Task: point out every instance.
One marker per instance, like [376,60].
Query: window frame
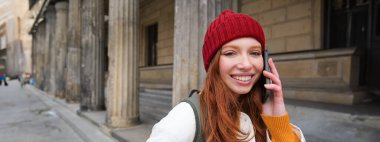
[151,44]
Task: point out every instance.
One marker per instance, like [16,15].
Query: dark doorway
[374,51]
[152,38]
[347,26]
[356,23]
[105,54]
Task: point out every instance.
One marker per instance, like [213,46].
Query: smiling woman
[241,64]
[229,106]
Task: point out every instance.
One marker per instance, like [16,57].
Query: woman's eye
[229,54]
[256,53]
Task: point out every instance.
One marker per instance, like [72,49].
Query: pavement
[28,114]
[90,125]
[24,117]
[336,123]
[139,133]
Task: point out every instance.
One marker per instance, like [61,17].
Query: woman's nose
[244,63]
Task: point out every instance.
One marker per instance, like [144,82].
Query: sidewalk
[318,121]
[139,133]
[25,118]
[91,125]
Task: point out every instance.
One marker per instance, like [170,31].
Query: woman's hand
[275,104]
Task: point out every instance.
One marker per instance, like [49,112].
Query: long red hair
[220,109]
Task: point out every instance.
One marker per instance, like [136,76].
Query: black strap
[193,100]
[192,92]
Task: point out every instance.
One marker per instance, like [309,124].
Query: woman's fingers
[274,87]
[272,77]
[275,105]
[273,67]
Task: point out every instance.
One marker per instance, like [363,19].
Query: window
[377,27]
[2,42]
[152,34]
[347,23]
[343,4]
[3,39]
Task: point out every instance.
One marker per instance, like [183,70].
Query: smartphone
[266,92]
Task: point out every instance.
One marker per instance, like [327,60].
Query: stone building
[15,42]
[136,59]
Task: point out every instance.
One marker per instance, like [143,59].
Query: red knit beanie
[228,26]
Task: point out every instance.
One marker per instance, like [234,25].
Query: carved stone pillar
[34,46]
[92,54]
[51,25]
[122,84]
[72,87]
[40,54]
[61,44]
[50,28]
[190,21]
[34,54]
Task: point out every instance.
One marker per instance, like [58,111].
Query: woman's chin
[241,91]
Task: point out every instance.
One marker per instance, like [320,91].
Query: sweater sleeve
[280,128]
[177,126]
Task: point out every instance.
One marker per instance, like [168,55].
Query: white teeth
[242,78]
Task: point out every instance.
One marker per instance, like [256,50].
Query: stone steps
[326,96]
[154,103]
[156,98]
[151,116]
[156,85]
[326,90]
[320,83]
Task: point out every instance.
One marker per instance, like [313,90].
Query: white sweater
[179,126]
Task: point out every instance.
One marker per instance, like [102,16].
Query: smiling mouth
[244,78]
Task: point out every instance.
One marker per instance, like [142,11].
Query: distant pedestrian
[25,77]
[3,78]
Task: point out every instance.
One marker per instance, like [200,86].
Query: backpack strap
[193,100]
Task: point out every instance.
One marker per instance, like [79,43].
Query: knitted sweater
[179,126]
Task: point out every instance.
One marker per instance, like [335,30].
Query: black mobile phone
[266,92]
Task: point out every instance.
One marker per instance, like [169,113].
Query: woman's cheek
[258,64]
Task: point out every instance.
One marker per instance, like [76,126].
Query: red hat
[228,26]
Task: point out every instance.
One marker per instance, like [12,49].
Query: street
[25,117]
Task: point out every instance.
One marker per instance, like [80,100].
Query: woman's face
[241,64]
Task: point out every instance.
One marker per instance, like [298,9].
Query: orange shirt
[280,129]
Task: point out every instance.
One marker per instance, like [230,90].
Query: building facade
[15,42]
[136,59]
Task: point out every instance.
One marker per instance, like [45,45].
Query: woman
[230,100]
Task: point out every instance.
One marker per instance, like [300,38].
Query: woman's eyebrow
[230,46]
[255,47]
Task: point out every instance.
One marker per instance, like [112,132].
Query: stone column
[92,54]
[34,46]
[50,28]
[72,87]
[40,55]
[190,21]
[122,84]
[35,57]
[61,45]
[12,37]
